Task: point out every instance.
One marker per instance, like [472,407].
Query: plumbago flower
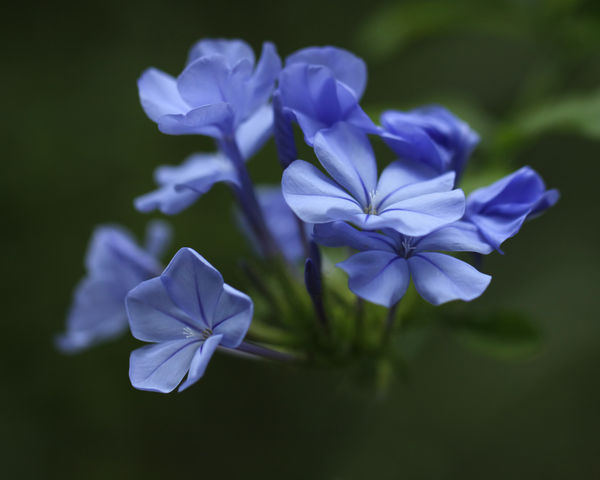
[404,222]
[187,312]
[430,135]
[499,210]
[396,200]
[381,272]
[219,89]
[183,185]
[115,264]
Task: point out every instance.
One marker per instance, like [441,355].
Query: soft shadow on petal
[159,95]
[441,278]
[233,315]
[161,367]
[379,277]
[200,361]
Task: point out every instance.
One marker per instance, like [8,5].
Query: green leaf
[501,334]
[580,114]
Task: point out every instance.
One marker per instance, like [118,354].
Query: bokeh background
[78,148]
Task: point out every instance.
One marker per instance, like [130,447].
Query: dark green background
[77,148]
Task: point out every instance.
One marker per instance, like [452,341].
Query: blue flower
[499,210]
[381,271]
[186,312]
[430,135]
[115,264]
[311,96]
[398,199]
[219,90]
[345,67]
[283,225]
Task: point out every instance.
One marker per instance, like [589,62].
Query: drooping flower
[381,271]
[430,135]
[398,199]
[284,226]
[311,96]
[186,312]
[345,67]
[219,90]
[115,264]
[499,210]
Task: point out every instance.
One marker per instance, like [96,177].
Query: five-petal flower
[115,264]
[187,312]
[381,271]
[399,199]
[499,210]
[220,89]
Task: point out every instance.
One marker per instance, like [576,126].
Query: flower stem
[389,324]
[247,198]
[264,352]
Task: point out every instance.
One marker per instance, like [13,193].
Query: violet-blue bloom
[381,271]
[346,67]
[312,96]
[181,186]
[115,264]
[283,225]
[398,199]
[186,312]
[431,135]
[499,210]
[219,90]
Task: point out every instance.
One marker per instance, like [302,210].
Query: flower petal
[314,197]
[345,152]
[161,367]
[159,235]
[96,314]
[388,197]
[211,120]
[379,277]
[159,95]
[417,216]
[233,51]
[252,134]
[233,315]
[441,278]
[194,285]
[401,173]
[264,76]
[340,234]
[153,317]
[457,237]
[201,82]
[200,361]
[346,67]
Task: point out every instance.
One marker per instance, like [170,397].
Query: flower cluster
[395,222]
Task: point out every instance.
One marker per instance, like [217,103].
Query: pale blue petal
[401,173]
[388,196]
[263,79]
[314,197]
[194,285]
[232,317]
[153,317]
[202,82]
[441,278]
[252,134]
[376,276]
[417,216]
[457,237]
[345,152]
[159,235]
[162,366]
[233,51]
[212,120]
[159,95]
[346,67]
[200,361]
[96,314]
